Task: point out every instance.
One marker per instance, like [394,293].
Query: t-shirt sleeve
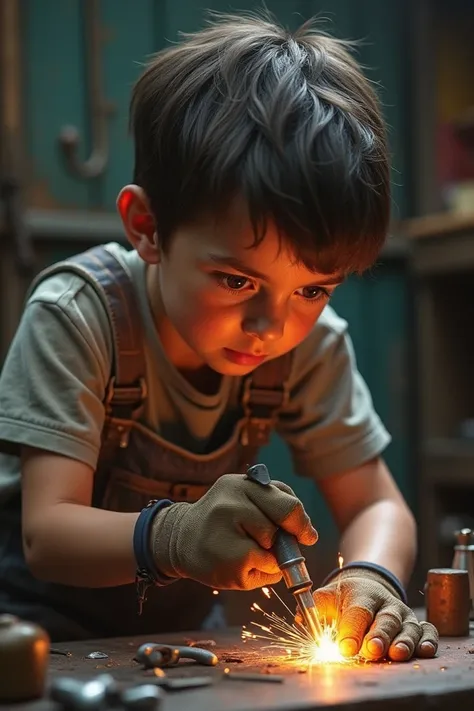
[329,423]
[55,375]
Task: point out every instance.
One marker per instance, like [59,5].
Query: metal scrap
[183,683]
[249,676]
[55,650]
[97,655]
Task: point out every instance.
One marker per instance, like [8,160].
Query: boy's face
[226,304]
[233,305]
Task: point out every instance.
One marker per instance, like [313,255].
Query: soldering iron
[291,563]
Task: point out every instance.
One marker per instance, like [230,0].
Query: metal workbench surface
[419,684]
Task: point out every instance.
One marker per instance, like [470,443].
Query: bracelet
[146,567]
[384,572]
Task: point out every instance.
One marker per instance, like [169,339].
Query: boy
[261,181]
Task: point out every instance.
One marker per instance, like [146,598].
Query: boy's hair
[245,108]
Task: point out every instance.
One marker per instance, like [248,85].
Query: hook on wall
[100,108]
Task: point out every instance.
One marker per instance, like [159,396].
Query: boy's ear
[138,222]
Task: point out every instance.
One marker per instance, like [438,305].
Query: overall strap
[126,391]
[265,393]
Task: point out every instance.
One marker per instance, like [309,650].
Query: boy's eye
[233,282]
[236,282]
[313,293]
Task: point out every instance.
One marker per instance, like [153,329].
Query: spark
[215,592]
[294,639]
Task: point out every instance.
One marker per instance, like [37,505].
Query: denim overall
[136,465]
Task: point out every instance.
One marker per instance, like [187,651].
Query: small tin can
[448,601]
[24,657]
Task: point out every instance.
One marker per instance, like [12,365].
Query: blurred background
[66,71]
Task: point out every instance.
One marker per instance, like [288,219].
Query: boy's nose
[265,328]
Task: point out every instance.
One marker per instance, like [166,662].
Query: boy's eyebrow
[238,265]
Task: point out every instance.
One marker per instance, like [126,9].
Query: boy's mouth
[240,358]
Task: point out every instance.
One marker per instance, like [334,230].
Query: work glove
[371,619]
[224,539]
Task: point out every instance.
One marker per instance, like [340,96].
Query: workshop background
[66,71]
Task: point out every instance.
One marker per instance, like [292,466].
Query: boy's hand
[224,539]
[372,620]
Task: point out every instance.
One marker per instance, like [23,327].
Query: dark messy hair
[245,108]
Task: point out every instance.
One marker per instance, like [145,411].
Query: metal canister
[448,601]
[24,657]
[464,559]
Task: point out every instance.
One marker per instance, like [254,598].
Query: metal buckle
[247,390]
[112,388]
[261,425]
[187,492]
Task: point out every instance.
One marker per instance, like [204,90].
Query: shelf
[449,447]
[448,461]
[88,226]
[73,225]
[440,244]
[442,224]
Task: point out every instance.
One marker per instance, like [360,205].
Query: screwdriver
[291,563]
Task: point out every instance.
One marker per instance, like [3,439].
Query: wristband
[389,577]
[146,567]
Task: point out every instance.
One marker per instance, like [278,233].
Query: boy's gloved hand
[224,539]
[372,620]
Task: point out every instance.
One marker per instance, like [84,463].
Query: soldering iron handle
[286,549]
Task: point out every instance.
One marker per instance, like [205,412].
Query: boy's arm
[223,540]
[375,522]
[337,439]
[52,388]
[66,540]
[378,542]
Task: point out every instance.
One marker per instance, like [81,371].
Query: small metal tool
[94,694]
[153,655]
[103,693]
[291,563]
[156,654]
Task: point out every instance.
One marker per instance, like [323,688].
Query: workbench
[446,681]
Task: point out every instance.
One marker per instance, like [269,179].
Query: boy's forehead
[228,239]
[230,234]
